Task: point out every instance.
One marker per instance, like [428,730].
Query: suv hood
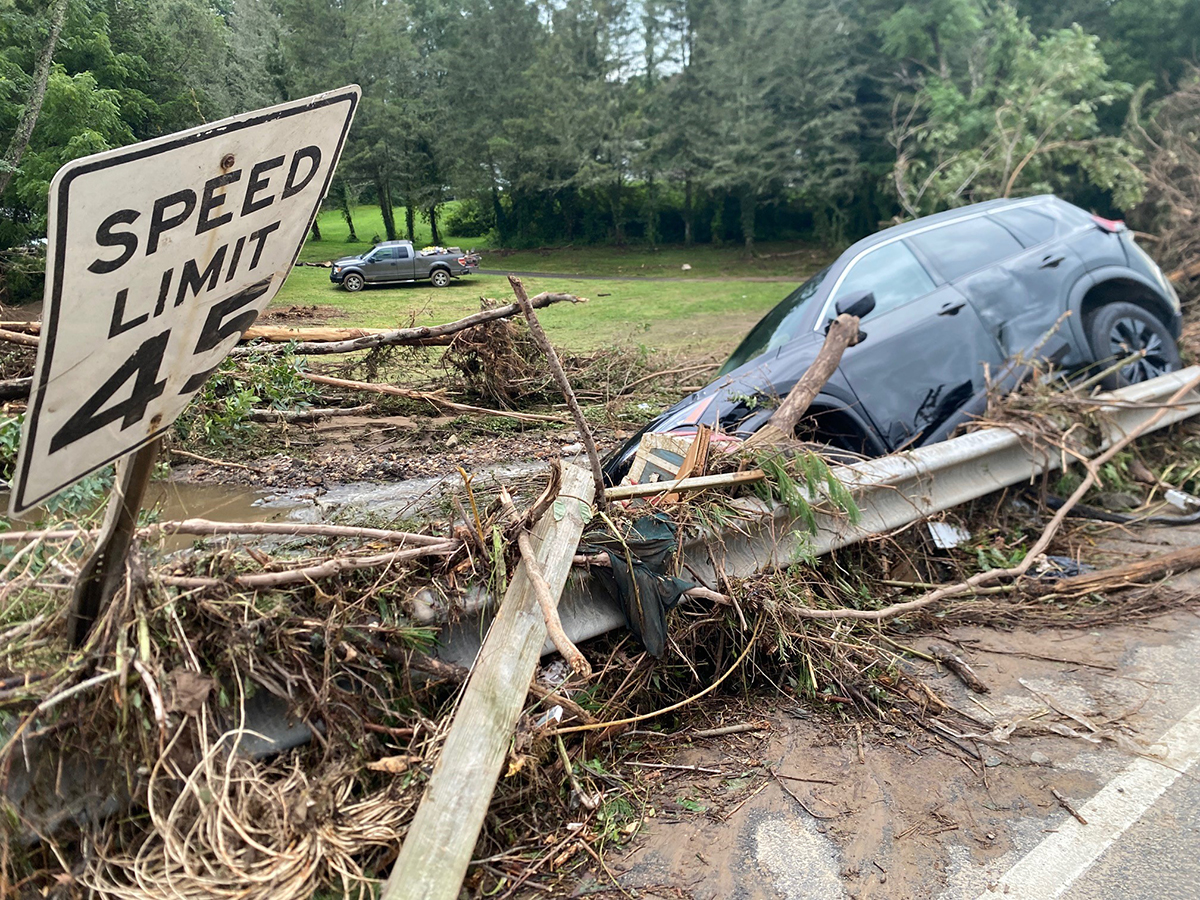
[347,260]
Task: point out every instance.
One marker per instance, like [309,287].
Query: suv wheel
[1119,330]
[440,278]
[353,282]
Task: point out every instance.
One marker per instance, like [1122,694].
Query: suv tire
[439,278]
[1119,329]
[353,282]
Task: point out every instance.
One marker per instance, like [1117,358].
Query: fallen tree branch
[307,574]
[208,460]
[206,527]
[301,416]
[1039,547]
[418,335]
[564,384]
[842,333]
[959,667]
[546,600]
[436,399]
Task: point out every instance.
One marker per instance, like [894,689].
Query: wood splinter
[959,667]
[563,644]
[1066,804]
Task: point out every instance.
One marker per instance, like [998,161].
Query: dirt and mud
[819,806]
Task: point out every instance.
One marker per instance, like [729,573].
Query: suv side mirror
[859,304]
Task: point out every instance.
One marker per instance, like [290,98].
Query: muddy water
[347,503]
[223,502]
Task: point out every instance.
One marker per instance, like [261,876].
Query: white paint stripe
[1050,868]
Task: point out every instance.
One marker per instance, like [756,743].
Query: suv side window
[1034,227]
[401,253]
[892,272]
[383,254]
[959,248]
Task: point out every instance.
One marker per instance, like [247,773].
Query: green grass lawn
[701,318]
[773,260]
[691,315]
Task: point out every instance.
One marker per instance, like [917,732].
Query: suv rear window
[960,248]
[1033,226]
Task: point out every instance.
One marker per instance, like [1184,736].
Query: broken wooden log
[16,337]
[276,334]
[321,340]
[1127,575]
[843,332]
[437,850]
[423,334]
[303,416]
[1185,273]
[15,388]
[434,398]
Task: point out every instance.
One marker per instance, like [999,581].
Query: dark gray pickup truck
[395,261]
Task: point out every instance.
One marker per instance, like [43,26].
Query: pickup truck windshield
[778,327]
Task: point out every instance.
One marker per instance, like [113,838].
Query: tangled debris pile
[141,764]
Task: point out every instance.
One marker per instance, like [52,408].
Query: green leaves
[1006,115]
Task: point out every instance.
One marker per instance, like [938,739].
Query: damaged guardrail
[890,492]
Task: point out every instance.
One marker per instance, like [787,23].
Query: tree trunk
[384,192]
[748,204]
[316,230]
[37,93]
[434,236]
[651,213]
[689,234]
[615,204]
[344,205]
[410,222]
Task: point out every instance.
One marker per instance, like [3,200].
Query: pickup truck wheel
[439,278]
[1119,330]
[353,282]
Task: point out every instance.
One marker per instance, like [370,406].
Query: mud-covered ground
[819,806]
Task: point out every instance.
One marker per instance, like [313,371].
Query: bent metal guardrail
[893,491]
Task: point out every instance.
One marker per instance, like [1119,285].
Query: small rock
[1038,758]
[572,449]
[992,761]
[686,267]
[452,441]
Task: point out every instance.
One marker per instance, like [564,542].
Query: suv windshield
[778,327]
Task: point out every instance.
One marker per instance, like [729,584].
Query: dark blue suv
[957,295]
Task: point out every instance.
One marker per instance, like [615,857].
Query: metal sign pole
[104,570]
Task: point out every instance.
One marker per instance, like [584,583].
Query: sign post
[159,256]
[101,574]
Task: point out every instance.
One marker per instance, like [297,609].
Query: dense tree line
[561,121]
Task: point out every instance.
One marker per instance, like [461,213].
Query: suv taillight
[462,260]
[1112,226]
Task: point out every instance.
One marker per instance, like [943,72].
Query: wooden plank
[699,483]
[443,833]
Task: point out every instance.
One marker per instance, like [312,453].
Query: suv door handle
[951,307]
[1051,262]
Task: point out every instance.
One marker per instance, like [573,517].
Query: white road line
[1050,868]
